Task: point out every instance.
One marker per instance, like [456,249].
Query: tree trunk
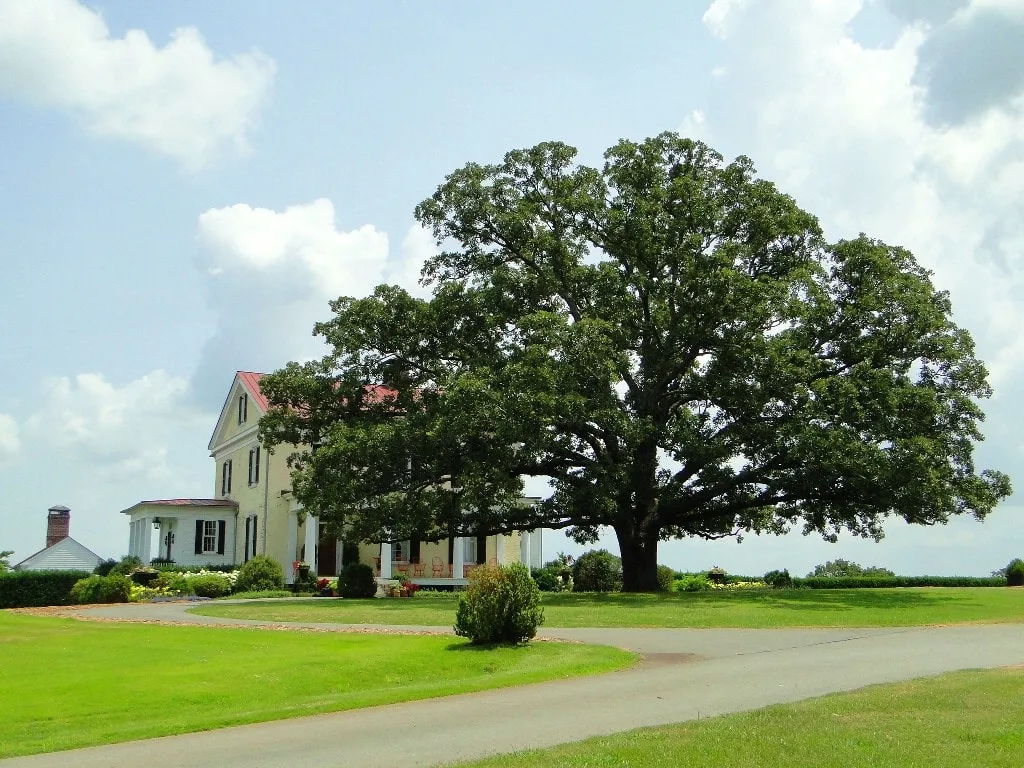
[639,561]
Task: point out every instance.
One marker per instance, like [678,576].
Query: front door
[327,557]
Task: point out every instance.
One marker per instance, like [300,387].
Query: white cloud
[179,99]
[10,442]
[123,431]
[848,130]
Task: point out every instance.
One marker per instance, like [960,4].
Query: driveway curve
[687,674]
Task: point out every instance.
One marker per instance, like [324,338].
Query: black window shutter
[229,475]
[222,528]
[199,537]
[481,549]
[250,466]
[257,463]
[248,535]
[254,537]
[414,550]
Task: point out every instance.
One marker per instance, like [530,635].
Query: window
[400,551]
[474,549]
[210,536]
[243,407]
[254,465]
[225,478]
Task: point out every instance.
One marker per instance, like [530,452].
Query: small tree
[597,571]
[843,568]
[1015,573]
[500,605]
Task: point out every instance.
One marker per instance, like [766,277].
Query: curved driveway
[687,674]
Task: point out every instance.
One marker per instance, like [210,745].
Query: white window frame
[401,551]
[469,549]
[209,536]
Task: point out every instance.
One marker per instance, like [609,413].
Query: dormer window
[243,408]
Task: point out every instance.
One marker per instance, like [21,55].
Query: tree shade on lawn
[755,609]
[669,340]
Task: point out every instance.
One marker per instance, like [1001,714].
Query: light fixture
[156,523]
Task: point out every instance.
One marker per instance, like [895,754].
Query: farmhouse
[252,512]
[61,553]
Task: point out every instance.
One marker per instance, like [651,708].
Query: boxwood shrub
[500,605]
[34,589]
[882,582]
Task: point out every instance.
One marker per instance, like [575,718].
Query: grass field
[67,683]
[956,720]
[749,609]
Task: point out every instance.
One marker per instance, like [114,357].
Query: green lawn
[956,720]
[68,683]
[751,609]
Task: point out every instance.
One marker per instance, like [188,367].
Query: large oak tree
[669,340]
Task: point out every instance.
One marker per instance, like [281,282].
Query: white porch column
[385,560]
[524,548]
[293,543]
[312,529]
[458,572]
[499,548]
[147,539]
[132,528]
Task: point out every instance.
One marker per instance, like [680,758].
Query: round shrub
[357,581]
[779,579]
[666,578]
[260,573]
[597,571]
[500,605]
[1015,573]
[104,568]
[102,589]
[210,585]
[547,580]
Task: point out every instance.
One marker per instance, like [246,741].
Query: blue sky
[187,185]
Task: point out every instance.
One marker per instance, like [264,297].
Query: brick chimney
[58,524]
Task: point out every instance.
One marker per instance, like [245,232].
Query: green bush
[1015,573]
[127,565]
[666,578]
[259,573]
[547,579]
[500,605]
[357,581]
[116,588]
[104,568]
[210,585]
[33,589]
[844,568]
[692,582]
[597,571]
[778,579]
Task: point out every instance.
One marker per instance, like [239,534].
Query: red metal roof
[191,502]
[251,381]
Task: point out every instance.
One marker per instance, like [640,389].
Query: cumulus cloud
[270,275]
[124,432]
[850,132]
[179,99]
[10,442]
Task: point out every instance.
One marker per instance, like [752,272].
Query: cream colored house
[252,512]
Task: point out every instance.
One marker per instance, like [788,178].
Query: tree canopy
[669,340]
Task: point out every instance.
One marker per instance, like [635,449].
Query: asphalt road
[687,674]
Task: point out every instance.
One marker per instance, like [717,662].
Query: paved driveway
[687,674]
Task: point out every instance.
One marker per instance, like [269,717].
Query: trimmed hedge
[34,589]
[882,582]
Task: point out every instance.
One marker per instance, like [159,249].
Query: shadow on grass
[792,599]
